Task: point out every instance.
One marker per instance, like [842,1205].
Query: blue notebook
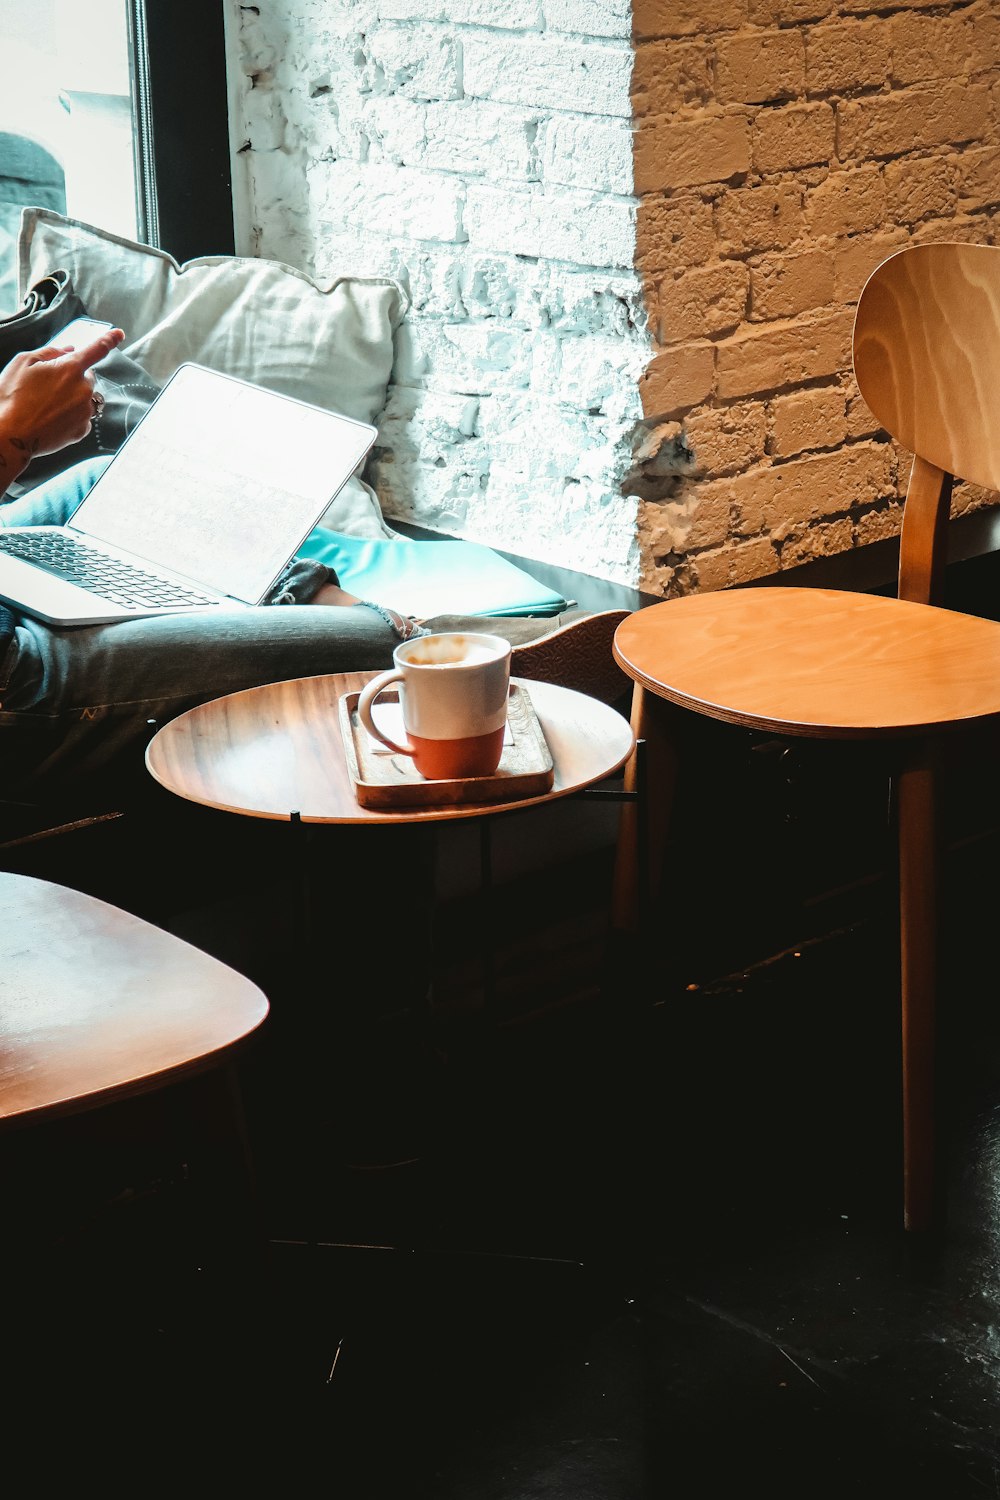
[425,578]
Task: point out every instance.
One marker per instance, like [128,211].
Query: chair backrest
[927,362]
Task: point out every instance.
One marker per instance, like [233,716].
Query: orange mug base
[454,760]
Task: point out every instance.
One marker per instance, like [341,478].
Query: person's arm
[47,401]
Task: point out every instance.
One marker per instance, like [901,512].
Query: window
[115,112]
[182,126]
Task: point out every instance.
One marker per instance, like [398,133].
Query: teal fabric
[425,578]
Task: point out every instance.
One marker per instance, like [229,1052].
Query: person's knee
[54,500]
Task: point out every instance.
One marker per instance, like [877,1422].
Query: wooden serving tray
[382,779]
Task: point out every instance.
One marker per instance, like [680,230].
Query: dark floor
[639,1239]
[634,1232]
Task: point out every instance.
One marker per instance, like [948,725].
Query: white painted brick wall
[376,197]
[470,137]
[585,229]
[556,73]
[588,153]
[590,17]
[414,61]
[481,151]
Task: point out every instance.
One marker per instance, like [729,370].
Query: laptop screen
[221,480]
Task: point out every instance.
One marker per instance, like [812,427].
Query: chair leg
[918,960]
[209,1122]
[653,722]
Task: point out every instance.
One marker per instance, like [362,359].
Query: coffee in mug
[453,689]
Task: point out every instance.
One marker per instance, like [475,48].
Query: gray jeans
[76,705]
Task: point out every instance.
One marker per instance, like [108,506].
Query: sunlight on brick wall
[481,152]
[633,238]
[779,158]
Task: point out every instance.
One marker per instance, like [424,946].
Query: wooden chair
[826,664]
[98,1007]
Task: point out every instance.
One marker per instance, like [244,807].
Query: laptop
[205,502]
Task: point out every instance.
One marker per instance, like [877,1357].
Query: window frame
[180,123]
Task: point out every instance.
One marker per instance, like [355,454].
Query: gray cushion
[263,321]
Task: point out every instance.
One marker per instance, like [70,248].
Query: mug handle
[366,702]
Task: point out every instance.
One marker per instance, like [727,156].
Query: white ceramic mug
[453,690]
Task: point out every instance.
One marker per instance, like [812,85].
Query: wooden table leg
[918,907]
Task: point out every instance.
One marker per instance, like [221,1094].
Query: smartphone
[80,332]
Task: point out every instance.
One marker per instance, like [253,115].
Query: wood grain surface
[816,662]
[96,1004]
[270,751]
[834,665]
[385,780]
[927,355]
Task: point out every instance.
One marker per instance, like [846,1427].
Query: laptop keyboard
[75,561]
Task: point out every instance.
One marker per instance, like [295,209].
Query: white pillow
[257,319]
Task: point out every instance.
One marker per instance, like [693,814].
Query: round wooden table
[277,752]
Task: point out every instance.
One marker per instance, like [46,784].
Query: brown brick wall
[783,149]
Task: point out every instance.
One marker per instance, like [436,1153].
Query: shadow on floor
[639,1239]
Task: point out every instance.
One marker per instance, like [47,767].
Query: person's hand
[47,400]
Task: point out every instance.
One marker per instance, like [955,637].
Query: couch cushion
[261,320]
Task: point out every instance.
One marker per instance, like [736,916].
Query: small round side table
[276,752]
